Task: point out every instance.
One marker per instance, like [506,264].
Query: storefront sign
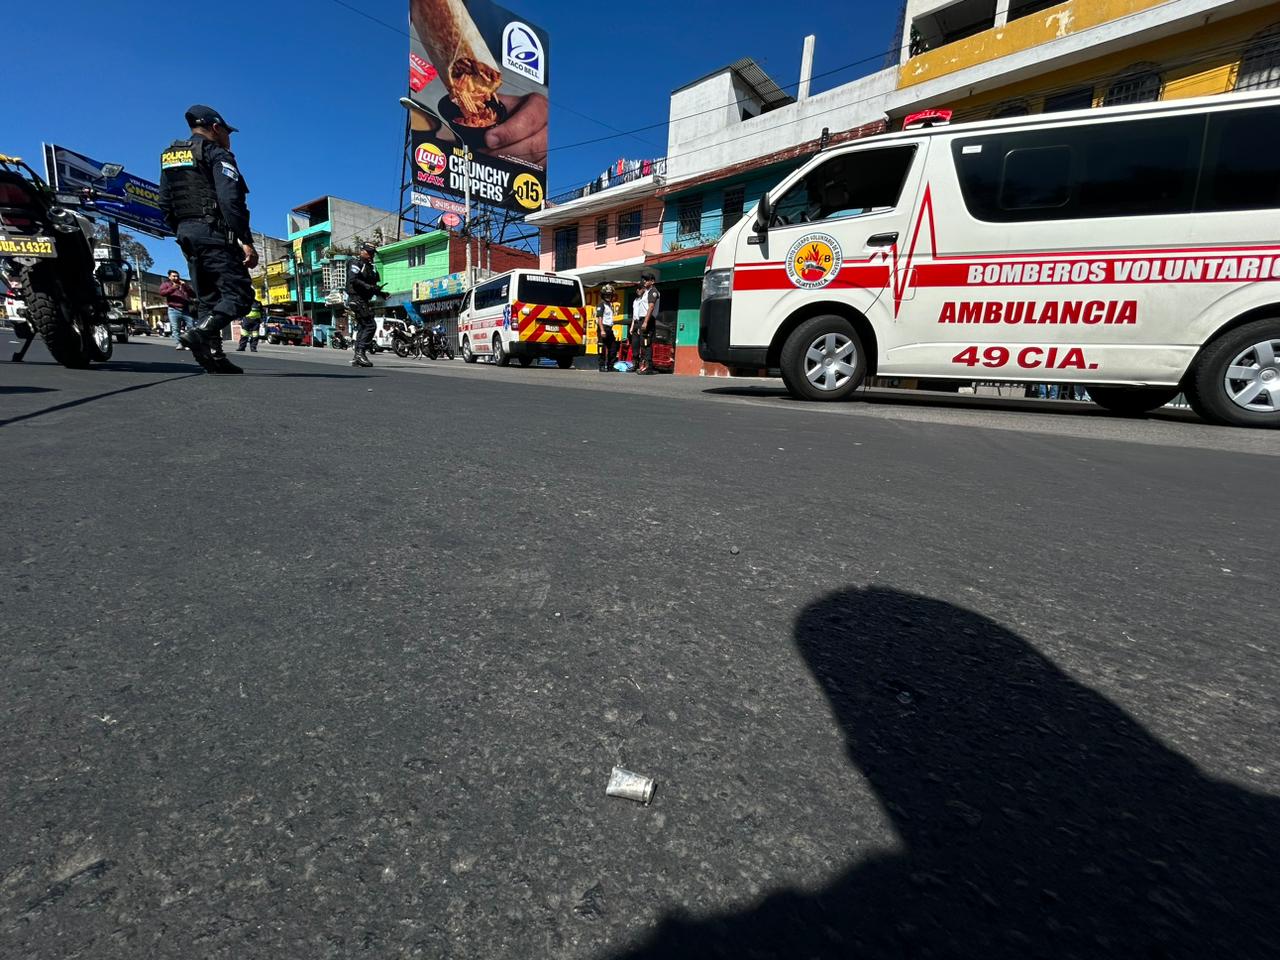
[481,74]
[450,286]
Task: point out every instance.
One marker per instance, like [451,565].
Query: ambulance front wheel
[1236,378]
[823,359]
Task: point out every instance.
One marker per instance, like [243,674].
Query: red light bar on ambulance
[927,118]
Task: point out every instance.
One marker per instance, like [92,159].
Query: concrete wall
[348,219]
[1196,62]
[704,146]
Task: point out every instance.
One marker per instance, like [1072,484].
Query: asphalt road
[318,662]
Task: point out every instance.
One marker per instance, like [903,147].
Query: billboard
[481,75]
[132,201]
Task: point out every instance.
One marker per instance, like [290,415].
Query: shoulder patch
[176,157]
[229,170]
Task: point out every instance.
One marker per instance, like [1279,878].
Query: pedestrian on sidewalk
[606,339]
[644,317]
[177,295]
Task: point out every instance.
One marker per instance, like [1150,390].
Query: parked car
[139,327]
[286,330]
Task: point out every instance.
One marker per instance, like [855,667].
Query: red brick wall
[504,258]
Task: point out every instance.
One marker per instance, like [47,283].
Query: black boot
[362,359]
[220,362]
[199,340]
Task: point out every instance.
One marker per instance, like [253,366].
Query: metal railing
[622,172]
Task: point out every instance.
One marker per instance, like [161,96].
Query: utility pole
[466,195]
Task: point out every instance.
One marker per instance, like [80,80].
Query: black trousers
[641,350]
[362,315]
[606,347]
[221,280]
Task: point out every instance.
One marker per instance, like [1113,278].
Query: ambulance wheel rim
[831,361]
[1252,379]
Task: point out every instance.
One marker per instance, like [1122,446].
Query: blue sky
[314,86]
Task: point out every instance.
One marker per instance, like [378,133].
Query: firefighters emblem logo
[814,260]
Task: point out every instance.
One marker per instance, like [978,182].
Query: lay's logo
[523,53]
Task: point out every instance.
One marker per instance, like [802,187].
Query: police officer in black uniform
[363,284]
[202,194]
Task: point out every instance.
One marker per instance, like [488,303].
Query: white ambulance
[1134,249]
[523,314]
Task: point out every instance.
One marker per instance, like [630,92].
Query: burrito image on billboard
[459,53]
[480,75]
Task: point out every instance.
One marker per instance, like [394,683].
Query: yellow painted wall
[1022,34]
[1197,63]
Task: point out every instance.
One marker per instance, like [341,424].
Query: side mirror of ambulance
[764,216]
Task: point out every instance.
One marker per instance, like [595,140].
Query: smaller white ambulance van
[1134,249]
[523,315]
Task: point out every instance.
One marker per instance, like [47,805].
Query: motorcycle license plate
[26,247]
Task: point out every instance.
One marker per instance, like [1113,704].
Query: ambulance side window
[492,294]
[851,185]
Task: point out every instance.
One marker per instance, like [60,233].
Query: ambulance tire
[1131,401]
[1207,389]
[525,361]
[564,363]
[827,334]
[500,356]
[467,355]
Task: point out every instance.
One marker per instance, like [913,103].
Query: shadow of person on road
[1035,817]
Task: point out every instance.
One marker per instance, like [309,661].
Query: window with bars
[566,248]
[689,218]
[417,256]
[629,224]
[1260,65]
[1139,86]
[602,231]
[734,199]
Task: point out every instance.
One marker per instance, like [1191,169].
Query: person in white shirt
[644,318]
[606,342]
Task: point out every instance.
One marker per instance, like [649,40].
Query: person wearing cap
[644,318]
[363,284]
[202,195]
[606,341]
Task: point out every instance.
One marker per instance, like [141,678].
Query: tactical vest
[358,268]
[190,181]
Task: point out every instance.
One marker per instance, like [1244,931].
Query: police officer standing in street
[202,194]
[363,284]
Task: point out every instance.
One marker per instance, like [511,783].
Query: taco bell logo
[522,52]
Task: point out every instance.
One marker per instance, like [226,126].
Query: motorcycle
[47,253]
[339,340]
[438,343]
[405,344]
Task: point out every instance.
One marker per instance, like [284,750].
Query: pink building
[606,235]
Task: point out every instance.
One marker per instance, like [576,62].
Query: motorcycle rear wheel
[58,332]
[401,350]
